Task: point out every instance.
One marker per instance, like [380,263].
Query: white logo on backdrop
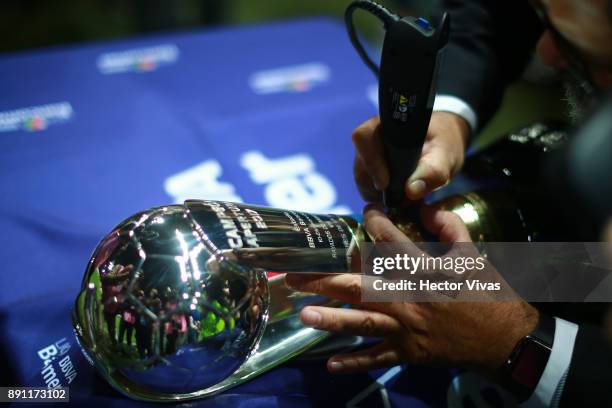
[35,118]
[295,78]
[138,59]
[293,183]
[290,182]
[55,359]
[200,182]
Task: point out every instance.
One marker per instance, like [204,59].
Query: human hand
[474,335]
[442,157]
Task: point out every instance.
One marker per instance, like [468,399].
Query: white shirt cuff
[557,366]
[452,104]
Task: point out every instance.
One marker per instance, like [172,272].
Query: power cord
[375,9]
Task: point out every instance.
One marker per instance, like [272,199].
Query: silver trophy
[176,304]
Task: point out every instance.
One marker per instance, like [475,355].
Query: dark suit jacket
[491,41]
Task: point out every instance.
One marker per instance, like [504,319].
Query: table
[92,134]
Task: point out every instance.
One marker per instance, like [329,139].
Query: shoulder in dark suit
[491,42]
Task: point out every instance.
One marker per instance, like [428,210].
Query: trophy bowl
[161,315]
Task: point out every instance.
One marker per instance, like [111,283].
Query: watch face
[531,361]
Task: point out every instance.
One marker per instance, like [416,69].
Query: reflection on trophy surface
[152,319]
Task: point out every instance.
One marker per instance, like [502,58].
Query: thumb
[433,171]
[446,225]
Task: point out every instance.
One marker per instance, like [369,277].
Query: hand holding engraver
[442,157]
[474,335]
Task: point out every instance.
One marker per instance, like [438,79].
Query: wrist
[456,124]
[525,325]
[454,104]
[521,319]
[525,366]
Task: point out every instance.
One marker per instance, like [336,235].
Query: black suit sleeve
[491,41]
[589,380]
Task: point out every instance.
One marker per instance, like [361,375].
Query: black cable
[377,10]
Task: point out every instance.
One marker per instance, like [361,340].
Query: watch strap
[545,330]
[527,362]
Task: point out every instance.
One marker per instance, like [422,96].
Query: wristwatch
[523,369]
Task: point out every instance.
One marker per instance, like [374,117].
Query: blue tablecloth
[91,134]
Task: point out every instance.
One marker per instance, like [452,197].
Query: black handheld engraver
[411,55]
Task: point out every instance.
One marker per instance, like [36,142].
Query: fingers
[442,156]
[446,225]
[343,287]
[432,172]
[364,182]
[379,226]
[382,231]
[379,356]
[368,144]
[350,321]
